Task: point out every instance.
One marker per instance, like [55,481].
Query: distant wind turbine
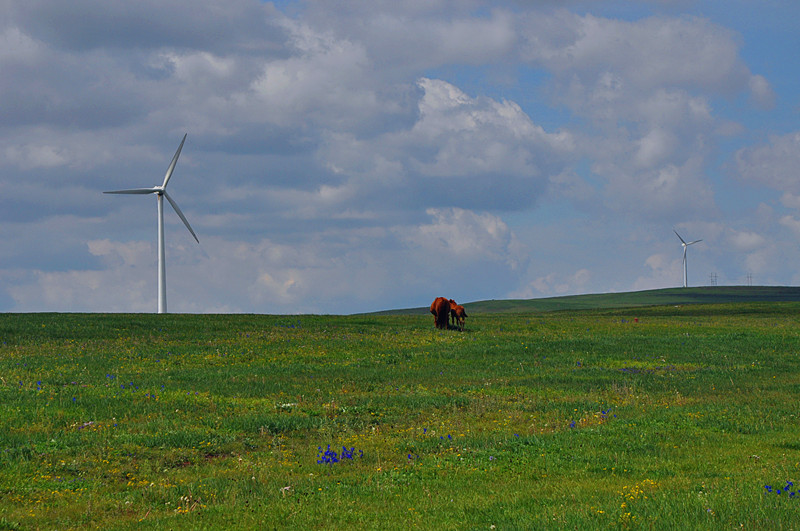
[161,193]
[685,245]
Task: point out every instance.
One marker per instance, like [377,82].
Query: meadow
[658,417]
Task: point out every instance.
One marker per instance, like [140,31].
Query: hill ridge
[628,299]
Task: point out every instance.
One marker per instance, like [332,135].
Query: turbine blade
[183,218]
[173,163]
[133,191]
[679,236]
[694,242]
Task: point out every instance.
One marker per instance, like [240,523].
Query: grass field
[658,417]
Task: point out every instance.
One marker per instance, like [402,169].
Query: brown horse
[453,305]
[457,314]
[440,308]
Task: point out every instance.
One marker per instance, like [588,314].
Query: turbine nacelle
[683,242]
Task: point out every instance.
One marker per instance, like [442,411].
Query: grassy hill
[656,297]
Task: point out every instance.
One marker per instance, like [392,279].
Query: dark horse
[440,308]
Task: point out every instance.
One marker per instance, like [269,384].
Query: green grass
[654,417]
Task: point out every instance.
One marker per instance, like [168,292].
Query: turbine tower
[161,193]
[685,245]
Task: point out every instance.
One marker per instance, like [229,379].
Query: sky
[354,156]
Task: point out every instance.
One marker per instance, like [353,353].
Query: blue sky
[355,156]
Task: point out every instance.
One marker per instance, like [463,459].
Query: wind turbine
[685,245]
[161,193]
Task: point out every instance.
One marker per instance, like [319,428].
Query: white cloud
[665,192]
[465,152]
[342,155]
[86,291]
[554,284]
[325,80]
[458,234]
[746,241]
[131,254]
[147,24]
[663,271]
[32,156]
[774,164]
[762,92]
[416,36]
[758,262]
[654,148]
[339,271]
[645,85]
[636,56]
[790,200]
[482,136]
[17,48]
[792,223]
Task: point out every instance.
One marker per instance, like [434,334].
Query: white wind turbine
[685,245]
[161,193]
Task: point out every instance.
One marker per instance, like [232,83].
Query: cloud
[416,36]
[32,156]
[746,241]
[325,80]
[554,284]
[645,87]
[792,223]
[118,287]
[353,155]
[761,92]
[614,58]
[663,271]
[148,24]
[773,164]
[663,193]
[133,254]
[464,152]
[790,200]
[458,235]
[482,135]
[339,270]
[43,86]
